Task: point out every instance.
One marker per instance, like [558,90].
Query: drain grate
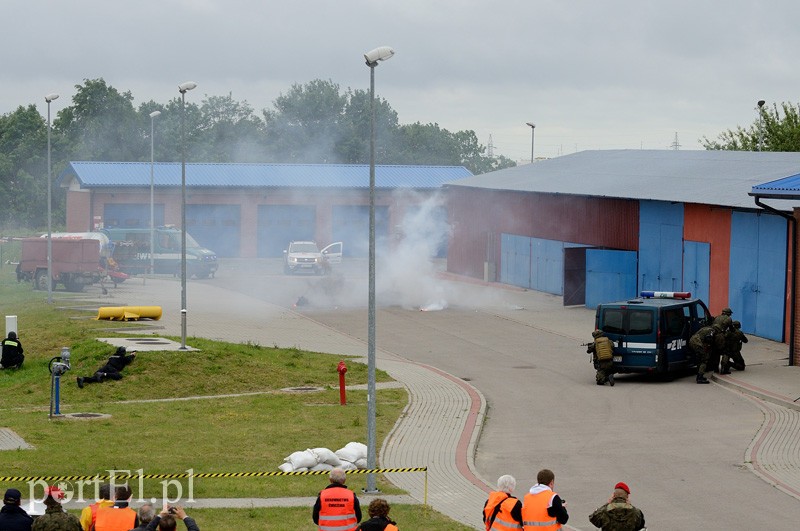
[302,389]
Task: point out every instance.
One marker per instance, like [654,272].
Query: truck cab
[651,333]
[131,251]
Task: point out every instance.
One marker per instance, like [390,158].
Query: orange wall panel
[704,223]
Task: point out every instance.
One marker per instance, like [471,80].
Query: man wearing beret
[12,516]
[618,514]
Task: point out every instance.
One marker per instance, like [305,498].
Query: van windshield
[628,321]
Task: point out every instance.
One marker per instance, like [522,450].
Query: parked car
[306,256]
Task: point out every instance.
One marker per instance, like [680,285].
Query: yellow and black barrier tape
[184,475]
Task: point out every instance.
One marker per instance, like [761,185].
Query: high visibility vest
[337,510]
[115,519]
[391,527]
[603,348]
[503,521]
[534,512]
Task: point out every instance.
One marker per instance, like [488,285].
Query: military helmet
[597,333]
[737,324]
[727,311]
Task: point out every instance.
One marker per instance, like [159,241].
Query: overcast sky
[590,74]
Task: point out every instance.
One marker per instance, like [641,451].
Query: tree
[23,167]
[778,133]
[101,124]
[229,132]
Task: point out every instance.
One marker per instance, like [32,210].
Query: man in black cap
[12,516]
[112,369]
[12,356]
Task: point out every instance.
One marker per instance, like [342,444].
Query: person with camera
[167,520]
[112,368]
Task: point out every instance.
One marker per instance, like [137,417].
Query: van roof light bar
[666,294]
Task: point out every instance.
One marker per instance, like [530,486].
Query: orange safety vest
[534,512]
[337,510]
[115,519]
[503,521]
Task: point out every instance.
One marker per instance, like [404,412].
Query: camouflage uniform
[725,324]
[733,349]
[701,343]
[55,519]
[618,515]
[604,367]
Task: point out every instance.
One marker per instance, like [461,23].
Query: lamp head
[186,87]
[50,97]
[761,103]
[382,53]
[155,113]
[531,125]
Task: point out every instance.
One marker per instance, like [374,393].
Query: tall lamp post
[372,57]
[533,128]
[49,98]
[153,115]
[760,123]
[183,88]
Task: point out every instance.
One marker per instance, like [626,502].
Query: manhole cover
[86,416]
[301,389]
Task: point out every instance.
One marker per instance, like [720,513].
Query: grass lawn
[148,431]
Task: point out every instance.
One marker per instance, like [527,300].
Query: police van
[651,332]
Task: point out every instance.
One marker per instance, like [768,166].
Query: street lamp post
[183,88]
[533,128]
[760,123]
[152,182]
[372,57]
[49,98]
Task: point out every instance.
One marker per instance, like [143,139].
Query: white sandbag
[359,448]
[347,454]
[326,455]
[286,467]
[347,465]
[303,469]
[361,463]
[321,466]
[304,459]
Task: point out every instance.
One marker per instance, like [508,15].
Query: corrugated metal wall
[704,223]
[474,213]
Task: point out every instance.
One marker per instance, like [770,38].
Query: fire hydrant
[342,369]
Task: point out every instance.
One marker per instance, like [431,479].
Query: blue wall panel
[758,273]
[696,268]
[610,276]
[660,246]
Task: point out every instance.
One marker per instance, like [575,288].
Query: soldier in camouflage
[732,357]
[618,514]
[702,344]
[602,351]
[55,519]
[724,322]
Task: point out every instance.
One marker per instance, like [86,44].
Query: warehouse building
[598,226]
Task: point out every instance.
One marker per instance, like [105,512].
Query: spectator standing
[618,514]
[166,520]
[542,508]
[337,507]
[502,511]
[118,517]
[55,518]
[12,356]
[12,516]
[146,514]
[89,513]
[112,368]
[378,511]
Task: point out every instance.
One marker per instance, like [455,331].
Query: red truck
[75,263]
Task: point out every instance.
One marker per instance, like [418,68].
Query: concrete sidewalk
[441,426]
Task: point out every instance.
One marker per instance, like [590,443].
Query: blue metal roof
[168,174]
[722,178]
[786,188]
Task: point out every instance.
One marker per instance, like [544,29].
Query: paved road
[683,448]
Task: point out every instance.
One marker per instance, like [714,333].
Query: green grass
[148,431]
